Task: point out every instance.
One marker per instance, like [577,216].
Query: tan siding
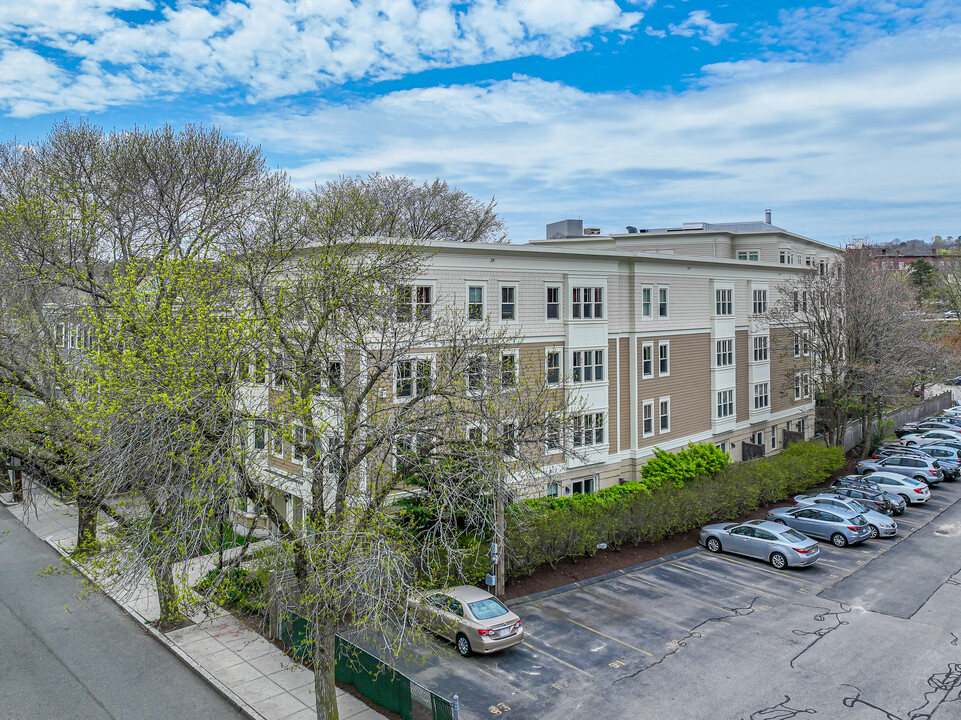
[624,433]
[743,393]
[783,367]
[613,441]
[688,386]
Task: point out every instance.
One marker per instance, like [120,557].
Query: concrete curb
[600,578]
[226,692]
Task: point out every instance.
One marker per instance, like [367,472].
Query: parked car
[908,489]
[930,436]
[954,410]
[949,458]
[952,419]
[877,500]
[953,381]
[841,527]
[474,620]
[925,425]
[889,449]
[773,542]
[879,523]
[926,470]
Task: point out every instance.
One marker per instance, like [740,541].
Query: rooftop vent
[631,229]
[767,216]
[592,231]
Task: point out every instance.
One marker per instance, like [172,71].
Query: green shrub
[677,467]
[236,588]
[545,530]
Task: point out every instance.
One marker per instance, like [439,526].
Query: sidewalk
[247,669]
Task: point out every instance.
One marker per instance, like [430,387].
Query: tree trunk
[170,614]
[86,524]
[324,656]
[17,485]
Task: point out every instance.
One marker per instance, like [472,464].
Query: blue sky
[841,116]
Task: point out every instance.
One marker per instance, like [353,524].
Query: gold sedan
[474,620]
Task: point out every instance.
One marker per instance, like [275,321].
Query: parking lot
[860,634]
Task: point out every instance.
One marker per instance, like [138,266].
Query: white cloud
[699,23]
[276,48]
[863,142]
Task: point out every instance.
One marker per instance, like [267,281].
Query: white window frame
[749,255]
[759,301]
[774,437]
[417,363]
[482,286]
[559,303]
[664,413]
[802,385]
[553,437]
[299,435]
[647,418]
[761,348]
[664,302]
[502,303]
[559,354]
[587,362]
[475,380]
[785,256]
[588,429]
[647,305]
[723,302]
[664,358]
[805,343]
[724,407]
[724,353]
[514,360]
[647,360]
[762,396]
[587,303]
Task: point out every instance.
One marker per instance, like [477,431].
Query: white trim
[664,344]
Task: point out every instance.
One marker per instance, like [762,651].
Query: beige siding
[783,367]
[624,383]
[743,395]
[613,440]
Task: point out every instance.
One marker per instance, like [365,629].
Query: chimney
[767,216]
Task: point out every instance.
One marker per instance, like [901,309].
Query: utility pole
[499,533]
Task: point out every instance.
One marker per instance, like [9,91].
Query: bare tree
[864,334]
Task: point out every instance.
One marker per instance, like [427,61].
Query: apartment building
[658,335]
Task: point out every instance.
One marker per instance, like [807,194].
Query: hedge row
[545,530]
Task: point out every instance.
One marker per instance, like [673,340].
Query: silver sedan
[773,542]
[881,525]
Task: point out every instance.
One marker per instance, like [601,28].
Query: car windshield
[793,536]
[487,609]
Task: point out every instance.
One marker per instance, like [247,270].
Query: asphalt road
[872,632]
[90,662]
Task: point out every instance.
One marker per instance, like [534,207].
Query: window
[259,374]
[761,348]
[260,435]
[508,303]
[724,355]
[405,311]
[662,301]
[762,396]
[760,302]
[647,418]
[277,443]
[802,425]
[508,370]
[587,366]
[553,360]
[587,303]
[588,429]
[475,374]
[805,342]
[809,260]
[786,257]
[725,403]
[475,434]
[802,385]
[664,358]
[509,439]
[774,437]
[475,302]
[822,267]
[647,294]
[723,302]
[413,377]
[297,452]
[553,303]
[752,255]
[797,344]
[424,301]
[552,436]
[664,415]
[757,438]
[585,486]
[647,360]
[277,370]
[335,374]
[61,335]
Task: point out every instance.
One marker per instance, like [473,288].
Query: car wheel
[867,472]
[778,561]
[713,544]
[874,532]
[779,521]
[839,540]
[463,644]
[920,478]
[910,443]
[907,500]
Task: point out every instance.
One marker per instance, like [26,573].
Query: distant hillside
[934,246]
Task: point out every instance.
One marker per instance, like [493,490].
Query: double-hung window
[802,385]
[664,415]
[647,302]
[664,358]
[587,303]
[553,366]
[760,302]
[414,301]
[762,396]
[552,435]
[724,302]
[752,255]
[724,353]
[663,297]
[508,369]
[647,418]
[725,404]
[553,298]
[647,360]
[508,303]
[587,366]
[475,374]
[761,348]
[588,429]
[475,302]
[413,377]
